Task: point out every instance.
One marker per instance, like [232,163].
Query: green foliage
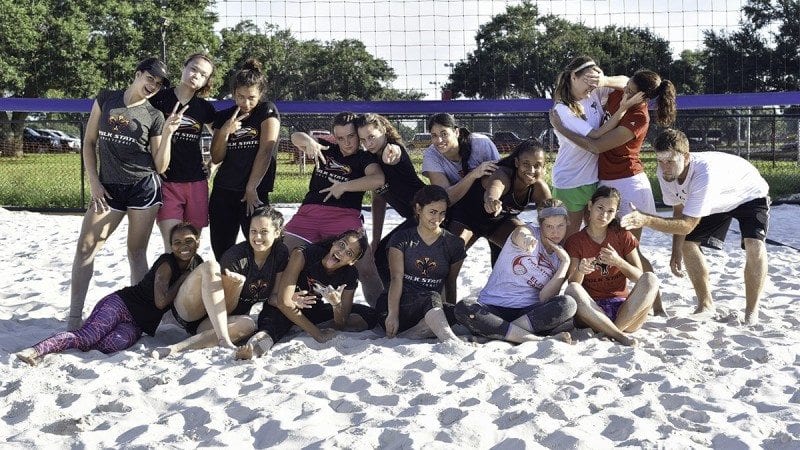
[520,52]
[746,60]
[308,70]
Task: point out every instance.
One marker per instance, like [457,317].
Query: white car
[66,142]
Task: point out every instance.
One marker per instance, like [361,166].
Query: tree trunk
[11,143]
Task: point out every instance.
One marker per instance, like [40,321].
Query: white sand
[690,384]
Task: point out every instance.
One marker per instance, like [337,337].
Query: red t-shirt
[605,281]
[623,161]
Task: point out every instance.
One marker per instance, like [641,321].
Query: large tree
[519,53]
[761,56]
[308,70]
[59,48]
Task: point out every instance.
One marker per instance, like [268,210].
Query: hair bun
[253,64]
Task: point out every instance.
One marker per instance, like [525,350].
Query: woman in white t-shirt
[580,93]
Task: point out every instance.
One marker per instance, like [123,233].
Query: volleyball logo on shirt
[335,166]
[426,264]
[189,125]
[257,286]
[118,121]
[243,133]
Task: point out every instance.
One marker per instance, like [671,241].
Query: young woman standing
[127,144]
[243,144]
[184,185]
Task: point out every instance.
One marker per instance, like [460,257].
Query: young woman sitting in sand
[422,260]
[315,272]
[520,301]
[120,318]
[216,309]
[603,258]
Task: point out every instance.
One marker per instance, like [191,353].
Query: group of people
[143,160]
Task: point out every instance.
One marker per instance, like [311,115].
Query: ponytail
[663,91]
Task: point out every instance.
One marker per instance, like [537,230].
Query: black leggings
[546,319]
[227,214]
[272,320]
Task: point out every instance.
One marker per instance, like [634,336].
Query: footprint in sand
[379,400]
[424,365]
[240,413]
[269,435]
[449,416]
[195,420]
[735,362]
[395,439]
[514,418]
[113,407]
[344,384]
[19,412]
[619,428]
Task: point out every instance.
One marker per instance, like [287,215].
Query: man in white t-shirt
[707,190]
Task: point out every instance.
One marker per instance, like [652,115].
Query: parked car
[67,143]
[205,146]
[33,141]
[505,141]
[420,141]
[703,140]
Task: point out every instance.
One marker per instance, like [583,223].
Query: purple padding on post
[535,105]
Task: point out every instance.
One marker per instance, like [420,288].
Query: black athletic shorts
[753,218]
[142,195]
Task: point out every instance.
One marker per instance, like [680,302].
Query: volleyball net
[762,128]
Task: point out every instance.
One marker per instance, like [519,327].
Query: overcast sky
[419,39]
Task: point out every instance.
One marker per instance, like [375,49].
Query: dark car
[505,141]
[703,140]
[33,141]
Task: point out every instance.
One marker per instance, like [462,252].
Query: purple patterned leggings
[110,328]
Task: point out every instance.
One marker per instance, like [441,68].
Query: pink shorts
[314,223]
[185,201]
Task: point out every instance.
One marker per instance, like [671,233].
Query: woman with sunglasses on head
[316,288]
[243,143]
[126,145]
[119,319]
[521,300]
[184,185]
[619,162]
[580,93]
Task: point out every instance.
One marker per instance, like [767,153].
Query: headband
[552,211]
[584,65]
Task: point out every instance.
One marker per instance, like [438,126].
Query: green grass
[53,181]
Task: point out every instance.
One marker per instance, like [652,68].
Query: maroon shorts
[186,202]
[314,223]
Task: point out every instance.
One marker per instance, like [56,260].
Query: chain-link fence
[41,164]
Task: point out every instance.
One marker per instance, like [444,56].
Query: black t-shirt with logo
[242,148]
[340,168]
[186,160]
[314,271]
[259,282]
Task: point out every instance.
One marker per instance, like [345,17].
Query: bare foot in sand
[751,317]
[160,352]
[29,356]
[705,310]
[243,352]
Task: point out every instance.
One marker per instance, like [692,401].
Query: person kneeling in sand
[120,318]
[603,258]
[216,308]
[315,268]
[422,260]
[707,190]
[520,302]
